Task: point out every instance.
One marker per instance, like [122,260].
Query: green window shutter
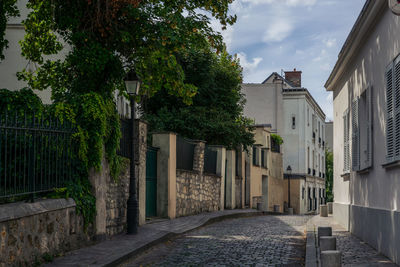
[355,140]
[390,127]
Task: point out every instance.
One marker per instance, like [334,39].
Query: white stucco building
[296,116]
[366,87]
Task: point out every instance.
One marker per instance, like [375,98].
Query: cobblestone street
[256,241]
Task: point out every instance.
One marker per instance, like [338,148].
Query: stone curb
[172,235]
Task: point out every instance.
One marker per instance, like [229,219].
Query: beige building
[264,173]
[366,87]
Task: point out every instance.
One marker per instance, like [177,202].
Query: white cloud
[330,42]
[278,30]
[248,67]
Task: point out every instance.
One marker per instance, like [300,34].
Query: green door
[151,182]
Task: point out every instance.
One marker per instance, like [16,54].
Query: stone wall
[118,190]
[30,232]
[197,192]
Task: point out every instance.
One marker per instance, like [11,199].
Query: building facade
[296,116]
[366,87]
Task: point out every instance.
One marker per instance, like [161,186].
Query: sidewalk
[354,251]
[121,247]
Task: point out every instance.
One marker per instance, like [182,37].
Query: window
[308,157]
[393,111]
[362,131]
[319,128]
[346,142]
[255,162]
[303,191]
[308,116]
[293,122]
[313,159]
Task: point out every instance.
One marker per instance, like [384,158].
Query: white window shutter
[396,101]
[346,151]
[355,141]
[390,126]
[369,128]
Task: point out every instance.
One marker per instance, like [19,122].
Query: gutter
[360,31]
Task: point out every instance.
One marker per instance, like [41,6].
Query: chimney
[294,77]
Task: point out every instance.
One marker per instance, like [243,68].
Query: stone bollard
[331,258]
[324,231]
[277,208]
[290,211]
[323,211]
[330,207]
[327,243]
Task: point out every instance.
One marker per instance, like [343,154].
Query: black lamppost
[132,84]
[289,174]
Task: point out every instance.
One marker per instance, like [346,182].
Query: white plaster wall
[264,103]
[380,187]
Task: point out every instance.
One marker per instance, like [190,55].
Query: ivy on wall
[8,9]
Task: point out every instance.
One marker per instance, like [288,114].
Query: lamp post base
[132,215]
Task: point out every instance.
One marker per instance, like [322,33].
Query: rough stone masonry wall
[197,192]
[118,190]
[28,231]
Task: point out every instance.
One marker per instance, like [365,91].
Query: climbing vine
[8,9]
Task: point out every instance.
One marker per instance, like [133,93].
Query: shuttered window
[393,111]
[355,136]
[346,142]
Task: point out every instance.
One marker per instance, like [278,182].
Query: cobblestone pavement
[357,253]
[255,241]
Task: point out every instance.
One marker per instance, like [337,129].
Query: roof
[306,92]
[276,74]
[361,29]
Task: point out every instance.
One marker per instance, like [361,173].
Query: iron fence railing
[125,146]
[275,147]
[37,154]
[210,161]
[184,153]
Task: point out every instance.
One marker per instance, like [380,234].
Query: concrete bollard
[327,243]
[324,231]
[323,211]
[277,208]
[330,207]
[331,258]
[290,211]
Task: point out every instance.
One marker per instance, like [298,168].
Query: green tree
[216,114]
[329,175]
[8,9]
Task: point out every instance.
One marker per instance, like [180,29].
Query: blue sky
[271,35]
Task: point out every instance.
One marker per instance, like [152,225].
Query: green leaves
[8,9]
[277,139]
[216,112]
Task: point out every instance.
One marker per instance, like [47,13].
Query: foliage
[329,175]
[26,103]
[216,114]
[8,9]
[108,38]
[277,139]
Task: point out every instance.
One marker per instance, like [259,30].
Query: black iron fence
[37,154]
[210,161]
[125,146]
[184,153]
[275,147]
